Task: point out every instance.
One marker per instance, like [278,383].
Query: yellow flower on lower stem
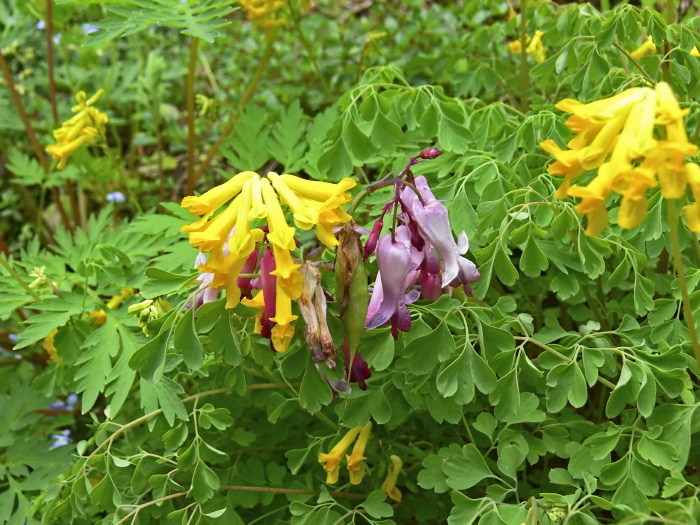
[356,459]
[333,458]
[283,331]
[392,476]
[643,50]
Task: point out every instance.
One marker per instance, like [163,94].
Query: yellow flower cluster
[535,47]
[356,467]
[618,137]
[231,236]
[649,47]
[266,14]
[87,125]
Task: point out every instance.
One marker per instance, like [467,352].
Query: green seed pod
[351,288]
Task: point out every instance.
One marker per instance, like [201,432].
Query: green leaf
[533,261]
[453,373]
[314,391]
[160,282]
[286,144]
[203,19]
[168,392]
[245,148]
[204,483]
[336,163]
[467,469]
[426,351]
[96,362]
[150,358]
[376,506]
[566,382]
[186,341]
[358,144]
[504,268]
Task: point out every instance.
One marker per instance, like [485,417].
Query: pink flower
[434,226]
[246,283]
[396,260]
[358,372]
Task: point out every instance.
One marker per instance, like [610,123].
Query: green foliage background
[564,392]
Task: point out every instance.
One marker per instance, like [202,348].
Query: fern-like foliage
[201,19]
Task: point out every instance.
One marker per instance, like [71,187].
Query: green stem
[636,63]
[673,218]
[19,280]
[309,52]
[262,65]
[189,94]
[670,19]
[247,96]
[524,70]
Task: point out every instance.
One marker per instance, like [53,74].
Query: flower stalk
[673,217]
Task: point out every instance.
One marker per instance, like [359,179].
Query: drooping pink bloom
[429,276]
[395,259]
[433,223]
[359,371]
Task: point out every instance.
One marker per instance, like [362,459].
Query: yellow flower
[694,52]
[356,459]
[231,235]
[99,316]
[87,125]
[618,137]
[692,211]
[535,47]
[392,476]
[267,14]
[283,331]
[50,347]
[258,301]
[643,50]
[333,458]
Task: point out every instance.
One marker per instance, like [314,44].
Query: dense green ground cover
[561,387]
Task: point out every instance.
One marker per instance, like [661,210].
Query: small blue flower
[89,28]
[116,196]
[41,25]
[60,439]
[57,38]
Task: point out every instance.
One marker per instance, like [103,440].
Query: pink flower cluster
[409,267]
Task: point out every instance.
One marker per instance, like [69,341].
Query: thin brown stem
[274,490]
[49,57]
[524,70]
[29,129]
[189,94]
[247,97]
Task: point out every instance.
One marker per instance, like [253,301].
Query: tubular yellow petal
[333,458]
[217,230]
[258,210]
[392,476]
[258,301]
[241,240]
[692,217]
[356,459]
[281,234]
[643,50]
[304,217]
[283,331]
[289,278]
[213,199]
[320,191]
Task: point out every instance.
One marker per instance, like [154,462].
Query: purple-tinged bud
[358,372]
[269,290]
[245,283]
[371,243]
[431,153]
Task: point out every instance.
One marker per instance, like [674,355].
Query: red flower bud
[431,153]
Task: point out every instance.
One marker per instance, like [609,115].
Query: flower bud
[431,153]
[351,288]
[371,243]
